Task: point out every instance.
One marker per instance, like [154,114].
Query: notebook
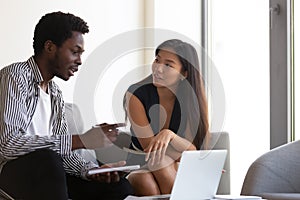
[114,169]
[198,176]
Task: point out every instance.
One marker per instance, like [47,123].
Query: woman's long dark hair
[191,89]
[190,92]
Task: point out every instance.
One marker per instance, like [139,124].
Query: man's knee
[45,155]
[30,176]
[48,164]
[123,189]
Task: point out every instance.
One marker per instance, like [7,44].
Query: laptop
[197,178]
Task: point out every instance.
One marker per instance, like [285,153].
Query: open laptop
[198,176]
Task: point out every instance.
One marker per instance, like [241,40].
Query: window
[296,67]
[239,48]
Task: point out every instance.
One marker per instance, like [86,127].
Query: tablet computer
[113,169]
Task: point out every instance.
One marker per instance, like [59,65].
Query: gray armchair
[115,153]
[76,126]
[219,140]
[276,174]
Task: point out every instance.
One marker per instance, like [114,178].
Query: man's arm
[15,116]
[76,143]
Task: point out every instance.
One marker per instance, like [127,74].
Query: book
[236,197]
[154,197]
[113,169]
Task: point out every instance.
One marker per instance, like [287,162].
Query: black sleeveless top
[147,93]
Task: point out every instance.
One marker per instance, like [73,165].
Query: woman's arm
[165,142]
[138,119]
[183,144]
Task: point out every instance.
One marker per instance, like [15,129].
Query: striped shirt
[19,94]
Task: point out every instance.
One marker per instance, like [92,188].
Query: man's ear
[49,46]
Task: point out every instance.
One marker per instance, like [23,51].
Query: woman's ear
[185,73]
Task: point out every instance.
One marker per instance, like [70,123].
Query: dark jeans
[40,175]
[86,190]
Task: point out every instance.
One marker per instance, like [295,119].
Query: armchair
[219,140]
[115,153]
[76,126]
[276,174]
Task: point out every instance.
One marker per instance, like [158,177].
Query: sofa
[219,140]
[276,174]
[76,126]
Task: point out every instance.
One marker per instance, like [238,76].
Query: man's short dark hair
[57,27]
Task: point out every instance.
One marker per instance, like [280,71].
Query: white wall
[106,19]
[109,21]
[110,18]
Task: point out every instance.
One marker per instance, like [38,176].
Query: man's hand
[111,130]
[99,136]
[108,177]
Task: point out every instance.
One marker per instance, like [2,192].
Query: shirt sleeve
[15,106]
[75,165]
[14,118]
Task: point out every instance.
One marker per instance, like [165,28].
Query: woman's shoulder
[144,86]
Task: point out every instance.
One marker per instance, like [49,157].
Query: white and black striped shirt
[19,93]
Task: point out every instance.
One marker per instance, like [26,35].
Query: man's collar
[35,69]
[38,76]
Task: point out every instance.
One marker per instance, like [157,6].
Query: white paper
[236,197]
[113,169]
[130,197]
